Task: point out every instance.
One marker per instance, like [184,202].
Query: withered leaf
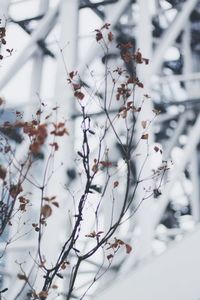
[2,172]
[76,86]
[146,61]
[46,211]
[54,286]
[110,256]
[2,32]
[99,36]
[55,146]
[79,95]
[43,295]
[72,74]
[156,148]
[55,203]
[147,96]
[156,111]
[106,26]
[95,168]
[115,184]
[106,164]
[22,277]
[15,190]
[110,36]
[145,136]
[64,265]
[138,57]
[128,248]
[144,124]
[1,101]
[156,193]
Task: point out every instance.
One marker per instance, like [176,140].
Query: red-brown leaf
[110,36]
[110,256]
[46,211]
[115,184]
[79,95]
[128,248]
[2,172]
[99,36]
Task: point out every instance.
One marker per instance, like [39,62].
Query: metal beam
[182,77]
[64,158]
[195,197]
[171,33]
[43,29]
[177,132]
[192,142]
[144,43]
[4,5]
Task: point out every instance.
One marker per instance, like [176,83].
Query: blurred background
[165,263]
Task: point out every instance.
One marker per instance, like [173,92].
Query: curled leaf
[55,146]
[110,256]
[145,136]
[106,26]
[56,204]
[115,184]
[72,74]
[128,248]
[110,36]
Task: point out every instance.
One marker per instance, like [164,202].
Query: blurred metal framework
[156,27]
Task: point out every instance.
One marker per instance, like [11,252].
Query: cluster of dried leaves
[14,173]
[3,42]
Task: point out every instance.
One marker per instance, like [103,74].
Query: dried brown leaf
[43,295]
[55,203]
[115,184]
[3,172]
[156,148]
[22,277]
[145,136]
[46,211]
[110,36]
[128,248]
[110,256]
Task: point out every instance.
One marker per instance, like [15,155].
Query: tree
[105,179]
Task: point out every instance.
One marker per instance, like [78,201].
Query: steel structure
[167,32]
